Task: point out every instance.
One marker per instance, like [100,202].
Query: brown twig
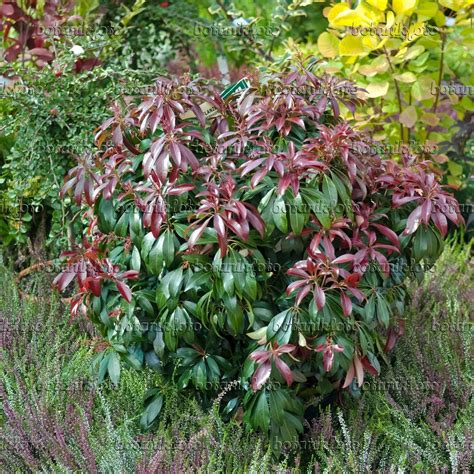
[397,88]
[441,70]
[440,76]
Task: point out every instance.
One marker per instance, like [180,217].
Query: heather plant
[43,367]
[351,447]
[417,416]
[248,245]
[55,418]
[430,394]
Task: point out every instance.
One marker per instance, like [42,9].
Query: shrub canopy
[251,247]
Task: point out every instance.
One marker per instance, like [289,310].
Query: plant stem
[397,88]
[441,69]
[408,131]
[272,42]
[440,75]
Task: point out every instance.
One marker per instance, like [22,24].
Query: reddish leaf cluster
[320,273]
[26,29]
[90,270]
[219,205]
[417,185]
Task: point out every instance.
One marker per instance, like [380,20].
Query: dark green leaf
[114,368]
[151,411]
[279,214]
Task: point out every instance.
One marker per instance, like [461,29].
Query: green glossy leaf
[121,227]
[299,214]
[151,411]
[114,368]
[330,192]
[147,244]
[106,215]
[279,214]
[261,412]
[199,375]
[104,363]
[155,257]
[197,281]
[168,248]
[135,261]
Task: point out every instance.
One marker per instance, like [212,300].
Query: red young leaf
[124,290]
[261,375]
[284,370]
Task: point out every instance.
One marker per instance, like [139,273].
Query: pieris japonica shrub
[249,251]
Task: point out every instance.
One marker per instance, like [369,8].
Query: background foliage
[400,75]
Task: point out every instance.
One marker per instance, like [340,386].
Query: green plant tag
[239,86]
[209,110]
